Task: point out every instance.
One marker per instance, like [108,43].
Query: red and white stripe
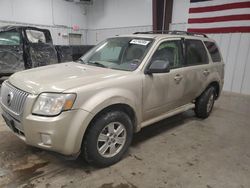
[219,16]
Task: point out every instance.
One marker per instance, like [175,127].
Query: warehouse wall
[57,15]
[107,18]
[102,19]
[235,48]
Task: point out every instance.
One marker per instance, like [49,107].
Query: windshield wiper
[81,61]
[97,64]
[92,63]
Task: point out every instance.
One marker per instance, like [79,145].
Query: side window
[170,51]
[11,38]
[196,53]
[35,36]
[213,51]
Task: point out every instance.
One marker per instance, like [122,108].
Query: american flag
[219,16]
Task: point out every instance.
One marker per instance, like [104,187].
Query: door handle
[206,72]
[178,78]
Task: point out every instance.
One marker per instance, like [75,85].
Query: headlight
[52,104]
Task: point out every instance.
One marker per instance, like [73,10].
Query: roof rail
[174,32]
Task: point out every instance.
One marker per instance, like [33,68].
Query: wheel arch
[119,107]
[116,106]
[216,86]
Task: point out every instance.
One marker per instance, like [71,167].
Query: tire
[204,103]
[101,146]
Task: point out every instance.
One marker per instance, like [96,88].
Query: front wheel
[108,138]
[204,103]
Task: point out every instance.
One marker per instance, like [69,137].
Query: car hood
[61,77]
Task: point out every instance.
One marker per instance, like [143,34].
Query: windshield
[122,53]
[10,38]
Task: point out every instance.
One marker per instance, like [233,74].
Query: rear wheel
[205,102]
[108,138]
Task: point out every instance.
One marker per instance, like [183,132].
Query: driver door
[163,92]
[39,48]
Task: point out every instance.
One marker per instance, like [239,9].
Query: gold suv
[93,106]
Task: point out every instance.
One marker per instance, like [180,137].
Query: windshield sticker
[140,42]
[133,66]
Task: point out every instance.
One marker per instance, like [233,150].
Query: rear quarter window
[213,51]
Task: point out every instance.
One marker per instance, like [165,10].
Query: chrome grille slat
[21,101]
[15,100]
[18,101]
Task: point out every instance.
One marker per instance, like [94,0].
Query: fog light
[46,139]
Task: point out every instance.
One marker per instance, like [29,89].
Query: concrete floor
[180,152]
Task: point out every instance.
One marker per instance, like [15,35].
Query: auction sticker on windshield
[140,42]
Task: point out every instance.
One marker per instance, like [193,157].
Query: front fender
[100,100]
[109,97]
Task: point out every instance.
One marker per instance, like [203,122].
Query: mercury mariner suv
[93,106]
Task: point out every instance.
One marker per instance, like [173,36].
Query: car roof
[13,27]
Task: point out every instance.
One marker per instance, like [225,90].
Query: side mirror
[158,66]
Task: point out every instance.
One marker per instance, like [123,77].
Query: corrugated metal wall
[235,49]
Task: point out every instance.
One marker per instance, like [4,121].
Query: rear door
[39,48]
[196,68]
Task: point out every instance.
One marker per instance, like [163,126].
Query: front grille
[13,98]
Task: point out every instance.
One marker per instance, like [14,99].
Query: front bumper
[65,131]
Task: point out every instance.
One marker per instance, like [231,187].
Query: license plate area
[12,124]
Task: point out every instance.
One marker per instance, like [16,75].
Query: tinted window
[170,51]
[10,38]
[213,51]
[195,52]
